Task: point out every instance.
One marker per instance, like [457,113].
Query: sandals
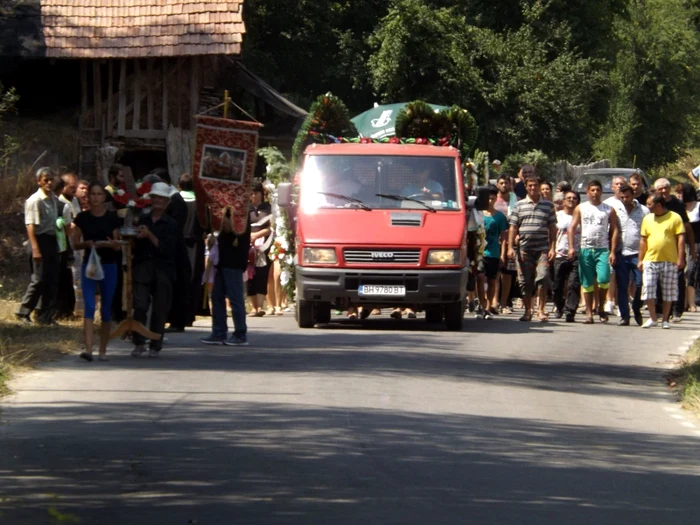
[396,314]
[86,356]
[278,311]
[352,316]
[603,317]
[543,318]
[103,358]
[526,318]
[588,320]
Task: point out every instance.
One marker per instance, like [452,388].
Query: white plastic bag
[94,270]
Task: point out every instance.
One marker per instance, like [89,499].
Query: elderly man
[154,270]
[663,187]
[40,215]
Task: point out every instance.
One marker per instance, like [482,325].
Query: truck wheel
[305,314]
[433,315]
[454,313]
[322,313]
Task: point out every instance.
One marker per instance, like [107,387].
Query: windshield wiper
[402,198]
[346,198]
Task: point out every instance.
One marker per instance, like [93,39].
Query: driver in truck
[423,186]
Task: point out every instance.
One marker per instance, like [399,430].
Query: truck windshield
[379,181]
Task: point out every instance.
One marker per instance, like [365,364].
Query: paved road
[505,422]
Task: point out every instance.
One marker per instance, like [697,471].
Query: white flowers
[138,185]
[285,277]
[131,203]
[120,192]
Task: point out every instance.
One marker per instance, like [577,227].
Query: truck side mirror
[284,194]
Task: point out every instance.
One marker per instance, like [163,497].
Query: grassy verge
[23,347]
[687,379]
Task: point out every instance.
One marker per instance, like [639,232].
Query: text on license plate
[382,289]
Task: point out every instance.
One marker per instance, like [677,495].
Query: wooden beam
[121,124]
[137,95]
[84,89]
[149,98]
[145,134]
[178,95]
[194,89]
[97,93]
[110,98]
[165,66]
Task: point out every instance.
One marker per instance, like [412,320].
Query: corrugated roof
[141,28]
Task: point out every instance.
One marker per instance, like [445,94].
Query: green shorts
[594,266]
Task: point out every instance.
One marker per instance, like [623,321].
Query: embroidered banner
[223,167]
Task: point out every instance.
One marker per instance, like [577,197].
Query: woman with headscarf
[260,239]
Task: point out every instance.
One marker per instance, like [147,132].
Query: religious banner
[223,167]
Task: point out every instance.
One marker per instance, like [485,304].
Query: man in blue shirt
[423,187]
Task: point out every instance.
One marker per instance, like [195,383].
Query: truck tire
[322,313]
[454,313]
[305,314]
[433,315]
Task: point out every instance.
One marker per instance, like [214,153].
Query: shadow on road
[226,462]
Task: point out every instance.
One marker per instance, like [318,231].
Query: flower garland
[282,250]
[330,139]
[123,197]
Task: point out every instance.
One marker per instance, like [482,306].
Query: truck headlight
[319,256]
[443,257]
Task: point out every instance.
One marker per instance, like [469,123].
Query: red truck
[381,226]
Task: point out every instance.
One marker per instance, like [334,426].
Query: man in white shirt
[630,217]
[70,260]
[40,215]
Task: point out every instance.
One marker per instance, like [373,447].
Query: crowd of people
[533,244]
[174,263]
[631,252]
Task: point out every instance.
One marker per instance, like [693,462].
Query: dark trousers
[65,296]
[44,281]
[626,265]
[679,306]
[157,293]
[117,306]
[566,269]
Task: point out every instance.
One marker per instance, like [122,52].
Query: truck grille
[380,256]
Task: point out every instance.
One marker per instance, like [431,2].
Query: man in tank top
[599,240]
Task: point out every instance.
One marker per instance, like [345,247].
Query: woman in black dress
[260,240]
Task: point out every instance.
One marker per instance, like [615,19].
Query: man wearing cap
[154,272]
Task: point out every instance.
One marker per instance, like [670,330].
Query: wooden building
[146,67]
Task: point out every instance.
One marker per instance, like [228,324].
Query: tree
[8,102]
[654,97]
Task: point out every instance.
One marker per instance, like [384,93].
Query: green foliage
[480,163]
[654,98]
[544,167]
[327,115]
[278,169]
[8,144]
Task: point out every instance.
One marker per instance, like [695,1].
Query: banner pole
[226,101]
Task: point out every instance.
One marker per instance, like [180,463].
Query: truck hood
[382,228]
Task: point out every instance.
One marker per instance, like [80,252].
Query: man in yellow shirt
[661,255]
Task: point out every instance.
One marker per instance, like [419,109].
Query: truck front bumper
[422,286]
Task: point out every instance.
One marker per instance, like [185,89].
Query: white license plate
[382,289]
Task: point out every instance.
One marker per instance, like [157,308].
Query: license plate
[382,289]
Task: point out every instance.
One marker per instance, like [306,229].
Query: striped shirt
[533,221]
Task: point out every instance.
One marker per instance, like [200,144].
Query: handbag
[93,269]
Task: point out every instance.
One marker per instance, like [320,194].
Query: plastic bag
[94,270]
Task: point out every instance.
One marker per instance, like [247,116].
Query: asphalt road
[389,422]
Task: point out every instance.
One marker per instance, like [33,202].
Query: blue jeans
[228,283]
[624,265]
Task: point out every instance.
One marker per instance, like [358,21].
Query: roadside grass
[686,379]
[24,347]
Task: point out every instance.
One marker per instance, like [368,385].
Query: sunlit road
[386,422]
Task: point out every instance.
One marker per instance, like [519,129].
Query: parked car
[605,177]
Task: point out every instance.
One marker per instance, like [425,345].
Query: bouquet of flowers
[140,200]
[282,250]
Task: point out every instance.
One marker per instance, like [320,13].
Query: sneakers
[651,324]
[138,351]
[609,307]
[675,319]
[471,306]
[488,316]
[212,340]
[479,314]
[153,353]
[666,325]
[24,319]
[235,340]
